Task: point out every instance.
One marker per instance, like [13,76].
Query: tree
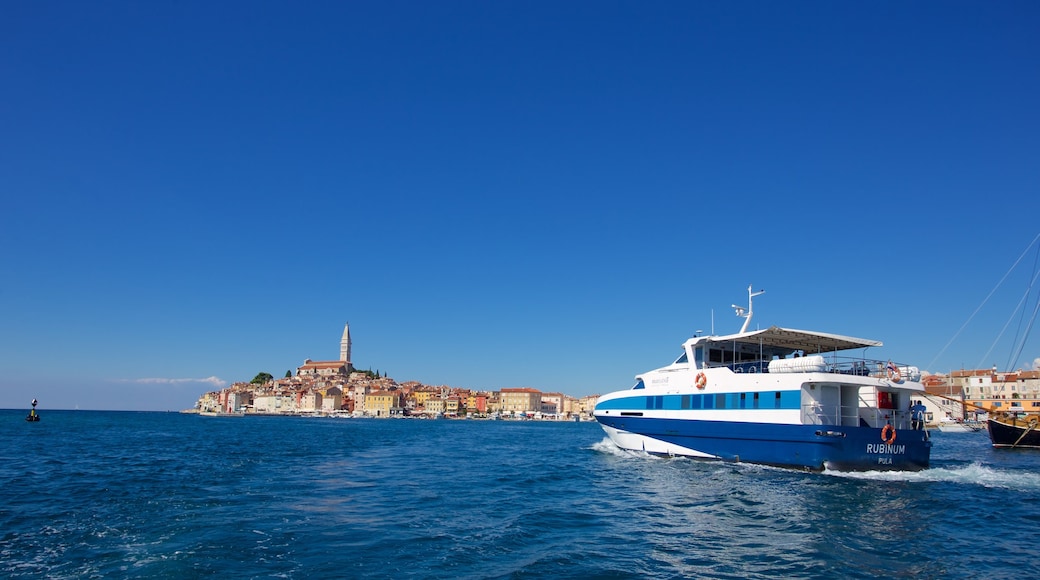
[261,378]
[288,374]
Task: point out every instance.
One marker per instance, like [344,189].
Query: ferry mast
[747,314]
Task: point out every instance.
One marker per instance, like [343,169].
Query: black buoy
[32,417]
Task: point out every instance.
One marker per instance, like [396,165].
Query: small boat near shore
[1014,431]
[779,396]
[952,426]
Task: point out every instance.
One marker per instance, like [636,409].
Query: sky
[503,194]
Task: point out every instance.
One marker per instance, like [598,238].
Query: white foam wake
[973,474]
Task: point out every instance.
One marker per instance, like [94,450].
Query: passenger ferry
[779,396]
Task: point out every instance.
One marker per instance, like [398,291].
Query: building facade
[521,400]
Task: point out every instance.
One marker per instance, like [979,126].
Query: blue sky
[501,194]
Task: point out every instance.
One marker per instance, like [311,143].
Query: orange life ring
[888,434]
[893,374]
[702,381]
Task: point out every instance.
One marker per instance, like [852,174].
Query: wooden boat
[1014,431]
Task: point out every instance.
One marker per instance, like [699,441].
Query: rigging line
[1013,358]
[1021,302]
[988,296]
[1029,327]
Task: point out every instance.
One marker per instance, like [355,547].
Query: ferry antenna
[749,312]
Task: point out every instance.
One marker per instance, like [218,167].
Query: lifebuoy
[702,381]
[888,434]
[893,374]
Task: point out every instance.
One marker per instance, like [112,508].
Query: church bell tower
[344,346]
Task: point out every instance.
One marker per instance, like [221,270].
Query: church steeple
[344,345]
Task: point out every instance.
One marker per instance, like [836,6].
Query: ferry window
[682,359]
[686,401]
[649,403]
[776,402]
[659,402]
[715,356]
[720,401]
[743,400]
[754,405]
[709,401]
[639,385]
[698,357]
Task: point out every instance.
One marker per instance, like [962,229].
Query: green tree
[262,378]
[288,374]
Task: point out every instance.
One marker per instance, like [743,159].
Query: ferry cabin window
[639,385]
[698,357]
[681,359]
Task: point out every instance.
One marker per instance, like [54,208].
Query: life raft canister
[701,381]
[888,434]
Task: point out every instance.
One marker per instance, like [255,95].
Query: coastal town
[336,388]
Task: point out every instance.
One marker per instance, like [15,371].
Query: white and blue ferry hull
[809,447]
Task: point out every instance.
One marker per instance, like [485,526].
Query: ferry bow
[783,397]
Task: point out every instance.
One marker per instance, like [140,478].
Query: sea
[93,494]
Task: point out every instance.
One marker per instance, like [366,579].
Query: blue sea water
[163,495]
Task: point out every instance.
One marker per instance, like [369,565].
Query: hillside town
[336,388]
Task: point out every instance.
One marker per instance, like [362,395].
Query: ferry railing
[862,367]
[865,414]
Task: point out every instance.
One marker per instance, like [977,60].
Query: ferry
[781,397]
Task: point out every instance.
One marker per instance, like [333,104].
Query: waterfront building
[332,399]
[451,406]
[552,403]
[434,406]
[311,401]
[587,404]
[521,400]
[421,396]
[477,403]
[276,403]
[208,402]
[236,401]
[358,394]
[383,403]
[549,407]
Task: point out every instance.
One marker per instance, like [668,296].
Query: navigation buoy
[32,417]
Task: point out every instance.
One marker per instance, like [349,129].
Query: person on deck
[917,415]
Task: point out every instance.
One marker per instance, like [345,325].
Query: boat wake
[607,447]
[973,474]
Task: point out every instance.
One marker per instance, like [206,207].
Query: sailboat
[1016,427]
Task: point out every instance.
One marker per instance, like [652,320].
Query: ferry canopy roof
[789,338]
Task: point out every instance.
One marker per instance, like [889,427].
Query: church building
[342,366]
